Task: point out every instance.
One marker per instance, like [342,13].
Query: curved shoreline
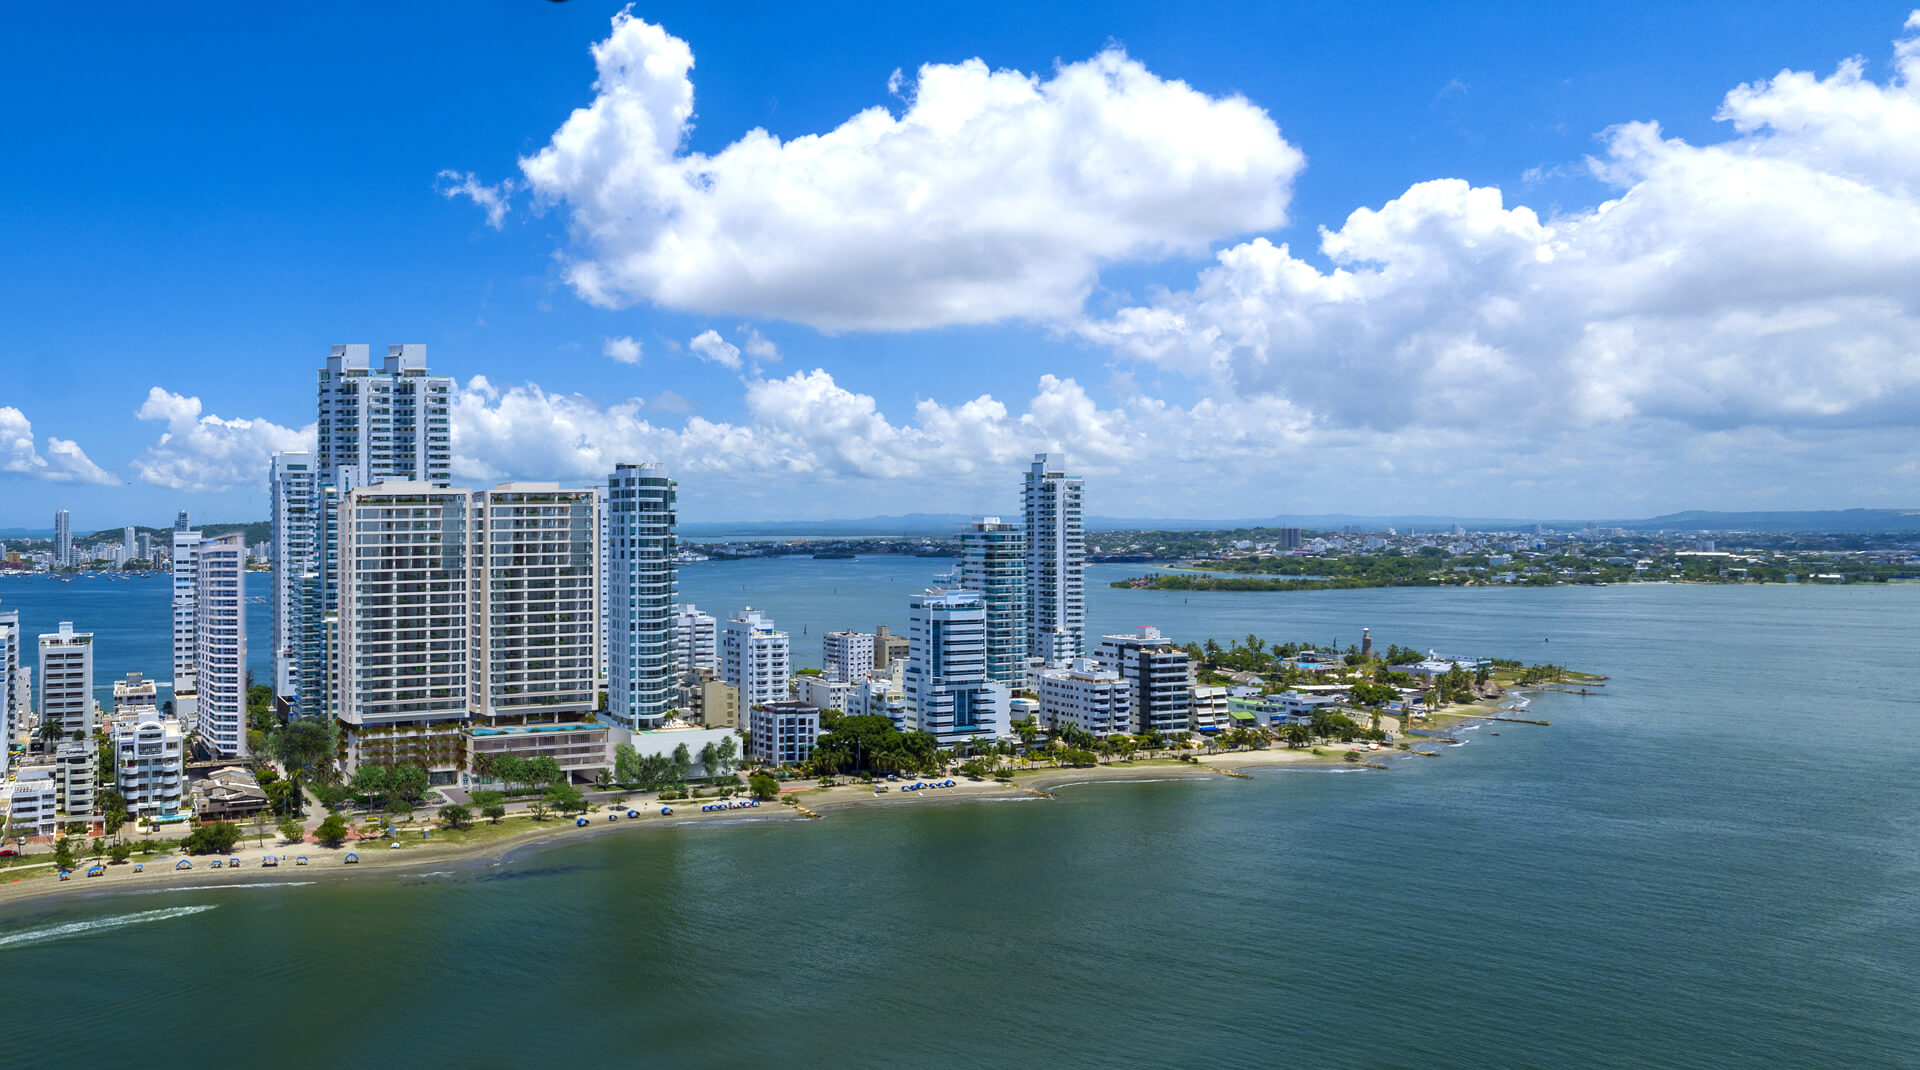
[382,861]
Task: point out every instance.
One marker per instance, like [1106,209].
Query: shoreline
[380,860]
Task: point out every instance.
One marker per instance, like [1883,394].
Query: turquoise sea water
[1715,864]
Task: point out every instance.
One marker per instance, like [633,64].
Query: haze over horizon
[1232,264]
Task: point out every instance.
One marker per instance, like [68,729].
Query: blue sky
[199,201]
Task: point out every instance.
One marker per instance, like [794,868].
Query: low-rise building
[149,752]
[228,794]
[580,749]
[1210,709]
[134,692]
[825,692]
[32,802]
[1086,696]
[664,741]
[782,733]
[1158,672]
[710,700]
[847,656]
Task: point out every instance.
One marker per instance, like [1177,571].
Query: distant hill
[1832,521]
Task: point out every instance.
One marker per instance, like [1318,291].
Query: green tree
[291,831]
[282,796]
[512,770]
[63,853]
[493,812]
[332,831]
[113,807]
[682,763]
[304,745]
[120,852]
[710,759]
[215,838]
[544,770]
[371,783]
[566,798]
[763,786]
[410,782]
[456,816]
[726,752]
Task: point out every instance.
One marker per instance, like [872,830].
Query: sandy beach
[487,841]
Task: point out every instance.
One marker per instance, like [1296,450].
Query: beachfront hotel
[945,681]
[1055,561]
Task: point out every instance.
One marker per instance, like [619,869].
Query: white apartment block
[782,733]
[993,561]
[535,584]
[1210,709]
[696,639]
[220,644]
[32,801]
[66,680]
[641,580]
[401,653]
[754,658]
[1158,672]
[290,488]
[882,697]
[76,775]
[826,693]
[13,696]
[134,694]
[149,755]
[847,656]
[1056,561]
[389,423]
[1087,696]
[945,682]
[62,538]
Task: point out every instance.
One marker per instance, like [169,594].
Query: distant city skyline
[1360,263]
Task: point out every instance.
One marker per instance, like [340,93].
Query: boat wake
[81,928]
[222,887]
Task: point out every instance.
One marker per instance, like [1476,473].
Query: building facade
[400,643]
[945,681]
[149,759]
[1086,696]
[535,645]
[290,490]
[1055,561]
[782,733]
[641,580]
[754,658]
[696,640]
[220,644]
[993,561]
[66,681]
[846,656]
[186,565]
[62,538]
[1158,673]
[386,423]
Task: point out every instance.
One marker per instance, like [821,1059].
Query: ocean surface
[1714,864]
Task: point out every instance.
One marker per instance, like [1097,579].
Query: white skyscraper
[128,543]
[641,580]
[13,708]
[401,656]
[947,691]
[754,658]
[387,424]
[62,539]
[66,681]
[290,488]
[1056,561]
[696,639]
[993,561]
[847,656]
[220,643]
[186,566]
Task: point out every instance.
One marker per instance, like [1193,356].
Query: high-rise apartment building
[290,489]
[1157,673]
[62,539]
[127,544]
[641,580]
[66,681]
[993,561]
[13,697]
[754,658]
[535,588]
[947,691]
[847,656]
[390,423]
[401,646]
[1056,561]
[186,564]
[149,758]
[220,644]
[696,640]
[1086,696]
[181,522]
[143,547]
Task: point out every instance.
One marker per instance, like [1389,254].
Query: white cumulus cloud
[994,195]
[65,461]
[207,453]
[1764,281]
[709,346]
[623,349]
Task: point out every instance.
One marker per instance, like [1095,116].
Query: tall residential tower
[1056,561]
[640,583]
